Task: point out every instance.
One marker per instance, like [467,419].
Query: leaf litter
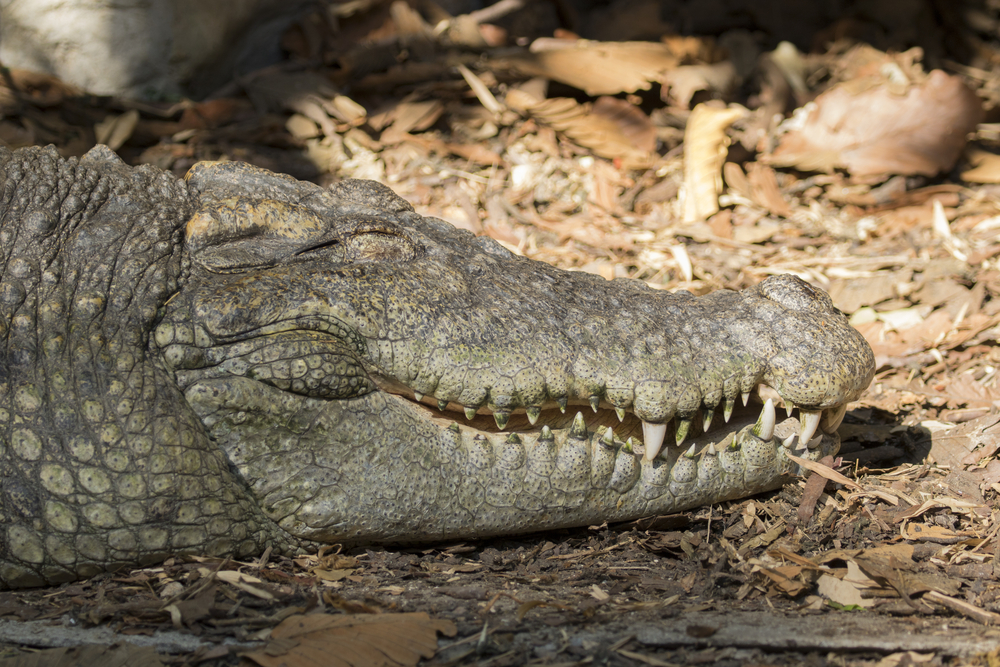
[695,162]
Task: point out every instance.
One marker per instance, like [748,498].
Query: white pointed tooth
[652,438]
[621,414]
[727,409]
[764,428]
[787,442]
[417,396]
[533,413]
[746,397]
[706,419]
[815,442]
[711,451]
[809,421]
[832,419]
[789,406]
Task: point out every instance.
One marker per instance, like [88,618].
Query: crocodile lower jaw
[649,440]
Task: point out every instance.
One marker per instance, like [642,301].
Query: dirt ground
[667,163]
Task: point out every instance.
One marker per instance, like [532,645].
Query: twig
[496,11]
[964,608]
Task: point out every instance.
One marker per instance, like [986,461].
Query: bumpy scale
[240,360]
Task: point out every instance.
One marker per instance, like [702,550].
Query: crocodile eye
[378,247]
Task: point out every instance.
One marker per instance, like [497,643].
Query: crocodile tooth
[727,409]
[470,413]
[706,419]
[832,419]
[746,397]
[609,438]
[690,452]
[809,421]
[630,445]
[789,406]
[652,436]
[453,427]
[442,405]
[711,451]
[764,428]
[501,418]
[595,402]
[815,442]
[787,442]
[578,429]
[417,396]
[513,439]
[546,433]
[533,414]
[683,426]
[621,414]
[561,402]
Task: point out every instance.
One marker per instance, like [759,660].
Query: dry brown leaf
[681,83]
[856,293]
[874,131]
[841,591]
[597,68]
[352,641]
[412,116]
[785,579]
[967,443]
[985,167]
[824,471]
[631,121]
[764,189]
[705,144]
[605,133]
[114,131]
[929,533]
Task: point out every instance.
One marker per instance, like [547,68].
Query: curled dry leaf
[875,131]
[611,128]
[985,167]
[597,68]
[705,147]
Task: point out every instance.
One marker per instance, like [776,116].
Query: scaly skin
[241,360]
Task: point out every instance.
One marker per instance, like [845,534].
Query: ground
[893,560]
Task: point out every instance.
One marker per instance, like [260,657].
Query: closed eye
[329,243]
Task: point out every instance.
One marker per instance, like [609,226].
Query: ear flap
[238,234]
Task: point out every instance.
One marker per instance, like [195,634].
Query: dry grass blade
[825,471]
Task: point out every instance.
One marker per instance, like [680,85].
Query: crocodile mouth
[762,407]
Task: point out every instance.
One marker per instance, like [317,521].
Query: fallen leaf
[331,640]
[985,167]
[841,591]
[114,131]
[876,131]
[705,146]
[602,127]
[597,68]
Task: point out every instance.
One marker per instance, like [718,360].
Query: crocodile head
[377,375]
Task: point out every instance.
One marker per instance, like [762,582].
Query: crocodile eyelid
[322,245]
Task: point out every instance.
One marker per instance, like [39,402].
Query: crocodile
[236,361]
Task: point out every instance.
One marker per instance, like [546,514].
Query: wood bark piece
[849,632]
